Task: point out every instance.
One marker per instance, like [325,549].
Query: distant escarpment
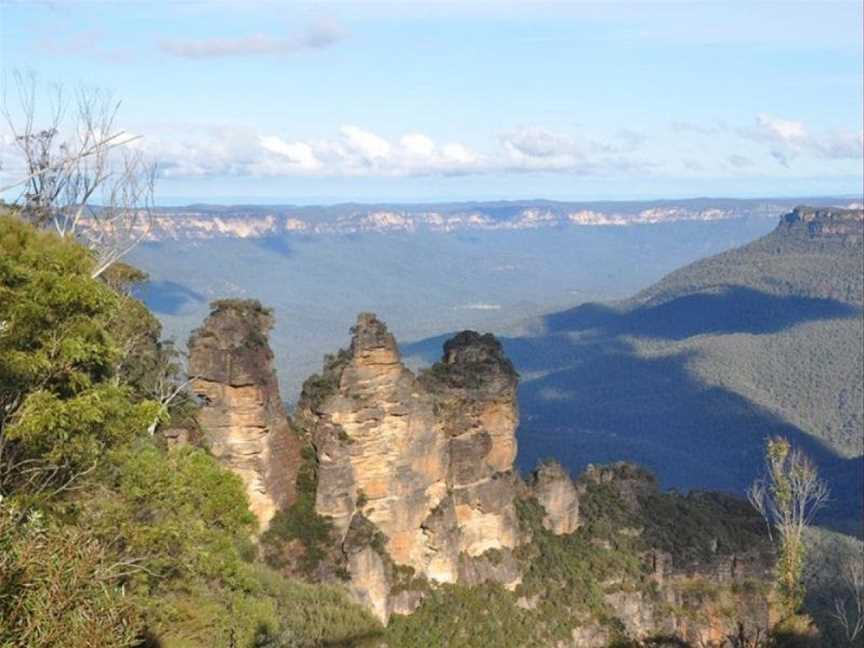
[843,225]
[242,416]
[201,222]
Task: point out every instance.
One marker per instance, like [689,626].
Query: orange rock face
[427,460]
[242,416]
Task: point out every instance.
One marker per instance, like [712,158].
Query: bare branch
[848,609]
[788,498]
[71,164]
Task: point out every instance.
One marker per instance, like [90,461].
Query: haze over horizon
[439,101]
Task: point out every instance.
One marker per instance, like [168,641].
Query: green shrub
[300,523]
[455,616]
[59,585]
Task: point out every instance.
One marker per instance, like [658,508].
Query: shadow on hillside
[589,399]
[278,244]
[614,405]
[732,309]
[167,297]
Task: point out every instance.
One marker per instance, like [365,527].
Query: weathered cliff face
[416,475]
[705,561]
[242,416]
[427,461]
[557,494]
[474,389]
[825,224]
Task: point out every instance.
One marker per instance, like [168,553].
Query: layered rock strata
[428,461]
[242,416]
[830,223]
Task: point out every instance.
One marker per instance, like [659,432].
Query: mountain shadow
[167,297]
[602,400]
[278,244]
[615,404]
[725,309]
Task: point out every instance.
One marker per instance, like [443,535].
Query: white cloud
[417,144]
[298,153]
[458,154]
[316,36]
[355,151]
[368,145]
[537,149]
[533,142]
[788,139]
[785,130]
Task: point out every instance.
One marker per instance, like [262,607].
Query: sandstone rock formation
[416,473]
[555,492]
[242,416]
[474,388]
[428,461]
[413,477]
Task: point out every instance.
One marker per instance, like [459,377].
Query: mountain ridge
[202,222]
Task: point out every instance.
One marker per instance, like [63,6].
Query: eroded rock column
[427,461]
[242,416]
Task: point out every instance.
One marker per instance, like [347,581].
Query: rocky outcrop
[474,390]
[413,477]
[709,569]
[428,461]
[242,416]
[557,494]
[832,224]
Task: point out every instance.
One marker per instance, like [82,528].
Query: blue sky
[325,102]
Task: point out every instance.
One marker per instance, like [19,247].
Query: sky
[247,101]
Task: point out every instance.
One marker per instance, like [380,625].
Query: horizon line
[273,201]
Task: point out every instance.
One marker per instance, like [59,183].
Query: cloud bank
[316,36]
[788,139]
[357,152]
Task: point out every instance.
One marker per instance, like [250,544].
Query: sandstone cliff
[428,462]
[242,416]
[706,565]
[844,225]
[555,492]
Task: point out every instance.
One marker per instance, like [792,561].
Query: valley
[687,377]
[427,282]
[691,375]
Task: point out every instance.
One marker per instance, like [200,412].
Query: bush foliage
[107,538]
